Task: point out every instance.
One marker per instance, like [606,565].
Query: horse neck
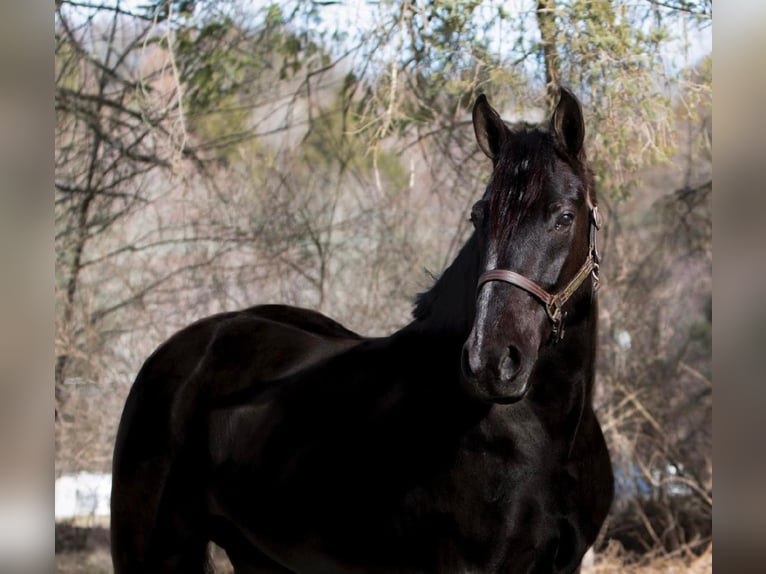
[449,307]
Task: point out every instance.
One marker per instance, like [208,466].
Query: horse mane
[450,304]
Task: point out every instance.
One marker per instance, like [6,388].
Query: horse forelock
[517,181]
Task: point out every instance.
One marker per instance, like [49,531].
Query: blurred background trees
[214,155]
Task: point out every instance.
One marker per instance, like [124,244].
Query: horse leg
[156,525]
[157,506]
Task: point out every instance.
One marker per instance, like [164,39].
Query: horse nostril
[510,364]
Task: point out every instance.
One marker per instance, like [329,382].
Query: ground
[83,548]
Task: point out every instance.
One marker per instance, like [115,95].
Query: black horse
[465,442]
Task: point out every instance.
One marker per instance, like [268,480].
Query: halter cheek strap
[554,303]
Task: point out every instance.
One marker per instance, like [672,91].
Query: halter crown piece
[555,302]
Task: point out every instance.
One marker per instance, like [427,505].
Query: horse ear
[567,124]
[491,132]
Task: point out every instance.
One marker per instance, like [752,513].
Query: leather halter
[555,302]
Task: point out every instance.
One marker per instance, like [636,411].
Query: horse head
[536,230]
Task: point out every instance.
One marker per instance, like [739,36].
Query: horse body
[299,446]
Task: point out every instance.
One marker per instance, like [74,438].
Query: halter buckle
[557,319]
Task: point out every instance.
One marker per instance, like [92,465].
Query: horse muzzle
[497,375]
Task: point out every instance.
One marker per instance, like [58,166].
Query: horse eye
[565,220]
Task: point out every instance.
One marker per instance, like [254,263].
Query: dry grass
[615,560]
[612,561]
[90,555]
[97,561]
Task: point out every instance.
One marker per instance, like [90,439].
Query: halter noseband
[555,302]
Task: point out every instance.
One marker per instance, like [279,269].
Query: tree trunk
[546,20]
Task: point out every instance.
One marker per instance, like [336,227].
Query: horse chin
[495,391]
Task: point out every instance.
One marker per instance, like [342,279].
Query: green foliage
[610,55]
[331,142]
[219,74]
[229,66]
[425,62]
[419,66]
